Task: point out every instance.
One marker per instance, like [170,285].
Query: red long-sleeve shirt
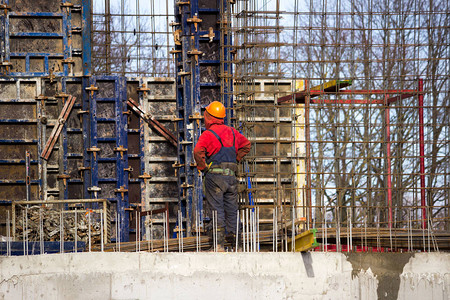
[208,144]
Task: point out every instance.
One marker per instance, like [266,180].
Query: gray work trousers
[221,193]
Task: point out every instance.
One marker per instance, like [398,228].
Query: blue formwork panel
[45,38]
[72,140]
[34,248]
[29,110]
[107,152]
[20,130]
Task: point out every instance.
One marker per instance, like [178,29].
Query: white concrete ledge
[314,275]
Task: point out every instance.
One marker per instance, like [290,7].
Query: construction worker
[217,153]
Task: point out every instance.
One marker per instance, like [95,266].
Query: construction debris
[37,222]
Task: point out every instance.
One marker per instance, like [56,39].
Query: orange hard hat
[216,109]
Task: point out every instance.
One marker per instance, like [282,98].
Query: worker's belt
[227,172]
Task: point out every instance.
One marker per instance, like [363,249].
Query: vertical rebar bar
[350,228]
[89,231]
[326,229]
[247,230]
[26,228]
[365,230]
[214,230]
[409,231]
[293,230]
[181,232]
[276,229]
[61,232]
[237,231]
[338,230]
[164,232]
[76,230]
[151,230]
[8,235]
[378,228]
[139,231]
[178,231]
[258,229]
[196,231]
[117,232]
[102,242]
[136,230]
[118,229]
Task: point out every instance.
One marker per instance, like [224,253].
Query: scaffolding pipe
[422,156]
[388,160]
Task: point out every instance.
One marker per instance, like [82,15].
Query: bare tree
[386,51]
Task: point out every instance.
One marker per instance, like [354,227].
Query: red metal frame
[312,93]
[306,97]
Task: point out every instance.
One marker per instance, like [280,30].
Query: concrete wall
[228,276]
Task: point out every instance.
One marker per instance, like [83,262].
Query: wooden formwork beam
[63,116]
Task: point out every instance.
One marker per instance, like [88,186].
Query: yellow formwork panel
[332,86]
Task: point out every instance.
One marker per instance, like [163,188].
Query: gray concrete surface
[314,275]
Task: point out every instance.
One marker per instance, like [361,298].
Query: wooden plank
[153,122]
[58,127]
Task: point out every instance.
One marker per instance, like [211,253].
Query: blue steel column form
[184,85]
[120,199]
[86,36]
[143,184]
[69,131]
[189,89]
[93,134]
[227,82]
[7,49]
[122,160]
[67,34]
[189,105]
[86,136]
[3,17]
[179,122]
[40,145]
[197,201]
